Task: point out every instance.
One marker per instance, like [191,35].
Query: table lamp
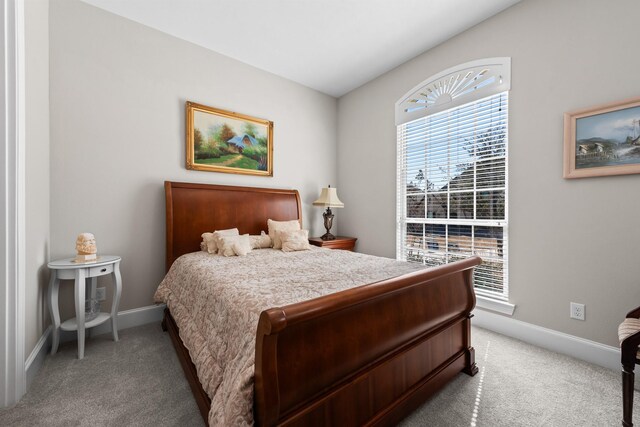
[328,199]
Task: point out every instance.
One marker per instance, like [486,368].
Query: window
[452,173]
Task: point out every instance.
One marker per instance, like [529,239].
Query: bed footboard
[368,355]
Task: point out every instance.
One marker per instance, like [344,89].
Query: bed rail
[368,355]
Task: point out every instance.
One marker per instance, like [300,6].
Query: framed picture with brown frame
[224,141]
[603,140]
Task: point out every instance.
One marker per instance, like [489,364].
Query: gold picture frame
[602,140]
[228,142]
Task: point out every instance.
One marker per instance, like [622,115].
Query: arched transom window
[452,171]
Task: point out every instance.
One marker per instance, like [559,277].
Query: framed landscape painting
[224,141]
[603,140]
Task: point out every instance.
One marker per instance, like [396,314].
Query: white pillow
[234,245]
[211,239]
[294,240]
[208,243]
[261,241]
[274,226]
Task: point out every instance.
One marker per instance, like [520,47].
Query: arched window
[452,171]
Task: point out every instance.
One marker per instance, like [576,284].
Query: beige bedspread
[216,302]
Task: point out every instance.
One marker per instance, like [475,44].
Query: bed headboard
[193,209]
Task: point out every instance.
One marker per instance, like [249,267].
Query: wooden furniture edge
[172,187]
[327,304]
[629,358]
[634,314]
[274,404]
[168,200]
[340,242]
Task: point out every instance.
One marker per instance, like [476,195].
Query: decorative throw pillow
[294,240]
[209,243]
[211,239]
[234,245]
[261,241]
[243,245]
[275,226]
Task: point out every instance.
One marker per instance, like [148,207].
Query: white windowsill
[498,306]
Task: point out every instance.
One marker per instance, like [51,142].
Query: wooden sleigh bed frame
[365,356]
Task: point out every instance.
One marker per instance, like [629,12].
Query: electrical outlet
[101,294]
[576,311]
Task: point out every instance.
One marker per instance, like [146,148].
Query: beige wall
[570,240]
[118,91]
[117,124]
[37,169]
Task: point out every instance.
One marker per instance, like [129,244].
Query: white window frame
[445,91]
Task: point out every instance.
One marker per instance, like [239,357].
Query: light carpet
[522,385]
[138,381]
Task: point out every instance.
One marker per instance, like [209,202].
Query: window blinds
[452,190]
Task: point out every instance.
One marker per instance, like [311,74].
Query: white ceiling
[333,46]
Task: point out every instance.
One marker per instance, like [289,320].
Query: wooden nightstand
[340,242]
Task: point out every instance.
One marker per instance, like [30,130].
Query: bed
[368,355]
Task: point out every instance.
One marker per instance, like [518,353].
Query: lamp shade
[329,198]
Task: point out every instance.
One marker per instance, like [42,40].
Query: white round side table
[68,269]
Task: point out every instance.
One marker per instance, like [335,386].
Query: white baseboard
[126,319]
[580,348]
[35,360]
